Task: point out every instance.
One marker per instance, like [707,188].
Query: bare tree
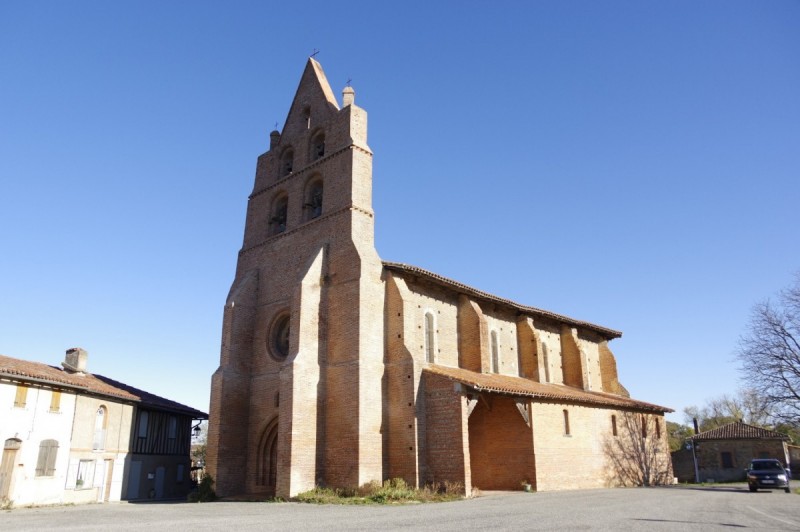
[770,353]
[748,406]
[637,456]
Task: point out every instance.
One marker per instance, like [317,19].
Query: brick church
[337,368]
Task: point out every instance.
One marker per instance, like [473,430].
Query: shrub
[205,491]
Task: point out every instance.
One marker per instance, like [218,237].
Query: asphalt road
[673,508]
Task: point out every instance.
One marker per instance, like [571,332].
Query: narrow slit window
[546,363]
[495,353]
[566,423]
[430,338]
[614,425]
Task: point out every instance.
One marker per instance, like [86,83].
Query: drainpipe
[694,454]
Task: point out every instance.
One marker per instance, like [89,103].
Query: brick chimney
[75,360]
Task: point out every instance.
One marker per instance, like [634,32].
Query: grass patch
[394,491]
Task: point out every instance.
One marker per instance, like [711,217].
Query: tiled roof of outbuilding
[740,431]
[478,294]
[36,372]
[510,385]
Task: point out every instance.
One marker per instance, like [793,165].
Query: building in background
[338,369]
[74,437]
[722,454]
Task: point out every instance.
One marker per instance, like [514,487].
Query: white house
[73,437]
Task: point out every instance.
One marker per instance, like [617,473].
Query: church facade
[337,368]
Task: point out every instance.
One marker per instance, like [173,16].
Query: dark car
[767,473]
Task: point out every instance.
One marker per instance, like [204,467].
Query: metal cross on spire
[349,80]
[314,54]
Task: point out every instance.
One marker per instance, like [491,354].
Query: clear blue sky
[633,164]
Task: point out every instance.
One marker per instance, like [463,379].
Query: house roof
[36,372]
[740,431]
[510,385]
[478,294]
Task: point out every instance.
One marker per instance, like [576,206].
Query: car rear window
[765,466]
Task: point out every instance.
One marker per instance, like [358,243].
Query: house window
[430,338]
[46,464]
[279,214]
[287,163]
[99,441]
[495,353]
[21,397]
[566,423]
[85,474]
[318,146]
[55,401]
[313,204]
[142,432]
[727,460]
[173,427]
[614,425]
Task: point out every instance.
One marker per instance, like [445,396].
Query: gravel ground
[672,508]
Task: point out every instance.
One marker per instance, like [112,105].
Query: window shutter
[55,401]
[21,397]
[41,463]
[46,463]
[72,474]
[99,473]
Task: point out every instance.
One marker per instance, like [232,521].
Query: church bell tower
[296,400]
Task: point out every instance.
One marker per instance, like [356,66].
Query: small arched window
[566,423]
[313,204]
[280,210]
[613,424]
[287,163]
[430,338]
[495,353]
[317,146]
[100,420]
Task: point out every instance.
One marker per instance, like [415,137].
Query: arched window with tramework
[313,203]
[430,338]
[100,421]
[495,352]
[317,147]
[280,211]
[287,163]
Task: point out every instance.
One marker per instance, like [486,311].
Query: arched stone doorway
[267,470]
[501,444]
